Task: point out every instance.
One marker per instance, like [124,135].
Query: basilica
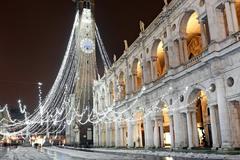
[178,84]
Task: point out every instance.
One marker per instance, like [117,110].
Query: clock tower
[83,94]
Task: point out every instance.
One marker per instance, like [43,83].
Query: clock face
[87,45]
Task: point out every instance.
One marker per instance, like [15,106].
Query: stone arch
[198,119]
[193,35]
[165,133]
[139,134]
[122,85]
[159,58]
[137,74]
[111,92]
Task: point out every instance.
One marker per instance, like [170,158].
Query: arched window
[159,58]
[193,33]
[137,74]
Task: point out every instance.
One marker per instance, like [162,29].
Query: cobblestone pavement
[24,153]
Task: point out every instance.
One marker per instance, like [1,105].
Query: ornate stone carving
[195,46]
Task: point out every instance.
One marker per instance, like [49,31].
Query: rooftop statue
[114,58]
[142,26]
[126,44]
[166,2]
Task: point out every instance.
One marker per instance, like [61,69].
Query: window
[89,134]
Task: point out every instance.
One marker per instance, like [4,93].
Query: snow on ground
[25,153]
[76,154]
[54,153]
[170,154]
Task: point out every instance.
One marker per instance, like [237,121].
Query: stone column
[117,134]
[161,133]
[121,136]
[107,135]
[110,135]
[195,130]
[229,18]
[130,134]
[177,129]
[203,35]
[95,134]
[214,129]
[145,73]
[172,132]
[156,134]
[190,130]
[139,129]
[128,86]
[100,136]
[185,49]
[154,69]
[149,132]
[223,114]
[135,133]
[133,83]
[182,50]
[234,16]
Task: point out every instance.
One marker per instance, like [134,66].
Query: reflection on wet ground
[5,150]
[55,155]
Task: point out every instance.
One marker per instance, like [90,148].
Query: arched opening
[137,75]
[200,120]
[159,58]
[238,11]
[111,92]
[139,135]
[203,123]
[122,86]
[161,65]
[191,29]
[164,127]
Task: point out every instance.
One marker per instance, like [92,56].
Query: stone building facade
[178,84]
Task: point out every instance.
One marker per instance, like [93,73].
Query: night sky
[34,37]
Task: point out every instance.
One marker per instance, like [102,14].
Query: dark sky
[34,36]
